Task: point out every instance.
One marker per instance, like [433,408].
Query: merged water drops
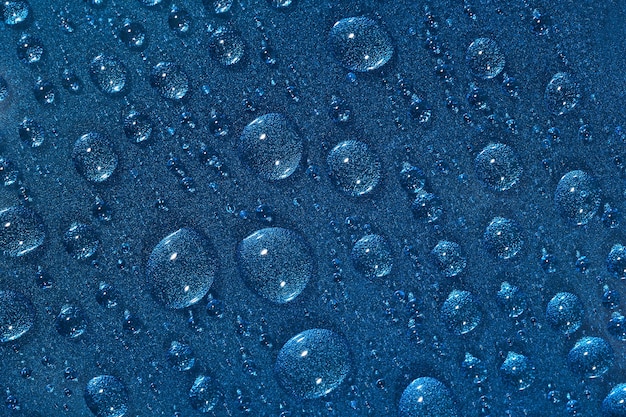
[313,363]
[17,315]
[170,80]
[109,75]
[360,44]
[562,94]
[577,197]
[226,46]
[181,268]
[497,166]
[503,238]
[94,158]
[353,168]
[372,257]
[591,357]
[271,147]
[449,258]
[484,58]
[565,313]
[276,263]
[106,396]
[460,312]
[21,231]
[427,397]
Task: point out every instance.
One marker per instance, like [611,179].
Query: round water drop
[31,133]
[562,94]
[94,157]
[181,268]
[180,21]
[360,44]
[498,166]
[427,397]
[518,371]
[138,127]
[503,238]
[30,49]
[205,394]
[270,147]
[353,168]
[21,231]
[590,357]
[614,404]
[71,322]
[226,46]
[134,35]
[180,356]
[484,58]
[17,315]
[460,312]
[15,12]
[81,241]
[169,79]
[616,261]
[372,257]
[106,396]
[449,258]
[565,313]
[276,263]
[109,75]
[577,197]
[313,363]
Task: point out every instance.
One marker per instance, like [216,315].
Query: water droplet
[497,166]
[81,241]
[427,397]
[360,44]
[562,94]
[21,231]
[30,49]
[614,404]
[270,147]
[109,75]
[15,13]
[180,356]
[460,312]
[503,238]
[226,46]
[577,197]
[181,268]
[17,315]
[484,58]
[372,257]
[180,21]
[449,258]
[31,133]
[276,263]
[353,168]
[590,357]
[518,371]
[313,363]
[205,394]
[70,322]
[169,79]
[565,313]
[133,35]
[106,396]
[138,127]
[94,158]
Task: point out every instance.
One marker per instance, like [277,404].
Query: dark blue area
[169,103]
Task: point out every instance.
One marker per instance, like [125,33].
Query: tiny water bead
[106,396]
[449,258]
[497,166]
[181,268]
[271,147]
[205,394]
[484,58]
[17,315]
[591,357]
[614,404]
[562,93]
[360,44]
[518,371]
[109,75]
[577,197]
[21,231]
[503,238]
[565,313]
[313,363]
[353,168]
[94,158]
[372,257]
[460,312]
[427,397]
[170,81]
[226,46]
[616,261]
[276,263]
